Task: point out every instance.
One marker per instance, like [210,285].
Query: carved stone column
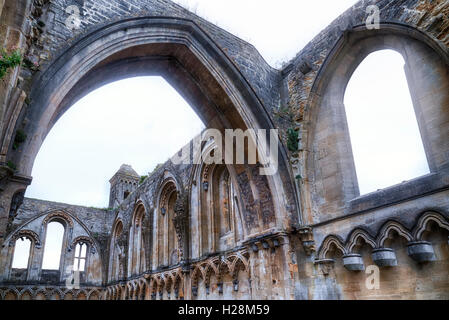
[12,190]
[181,223]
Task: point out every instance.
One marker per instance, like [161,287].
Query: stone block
[421,251]
[353,262]
[385,257]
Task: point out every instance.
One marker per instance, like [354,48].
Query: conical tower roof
[126,171]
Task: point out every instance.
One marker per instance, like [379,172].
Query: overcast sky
[143,121]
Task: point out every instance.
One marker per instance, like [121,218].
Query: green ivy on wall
[9,61]
[19,139]
[292,140]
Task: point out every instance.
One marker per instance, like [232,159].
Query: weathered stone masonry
[217,232]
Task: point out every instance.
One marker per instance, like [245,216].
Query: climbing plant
[142,179]
[9,61]
[292,140]
[19,139]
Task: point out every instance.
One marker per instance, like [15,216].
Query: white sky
[53,246]
[278,29]
[143,121]
[138,121]
[21,254]
[384,131]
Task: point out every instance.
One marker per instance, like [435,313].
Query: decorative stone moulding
[325,265]
[265,244]
[307,240]
[353,262]
[385,257]
[421,251]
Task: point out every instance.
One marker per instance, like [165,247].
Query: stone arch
[136,247]
[116,251]
[197,274]
[166,244]
[424,222]
[176,48]
[93,246]
[108,294]
[11,294]
[41,294]
[178,286]
[209,269]
[143,290]
[59,216]
[64,220]
[224,267]
[29,234]
[55,294]
[34,241]
[327,245]
[220,208]
[153,288]
[169,283]
[26,294]
[119,293]
[326,101]
[238,265]
[161,285]
[94,295]
[356,236]
[392,226]
[81,295]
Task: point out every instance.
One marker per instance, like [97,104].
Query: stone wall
[305,233]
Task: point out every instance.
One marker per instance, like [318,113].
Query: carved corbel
[325,266]
[307,240]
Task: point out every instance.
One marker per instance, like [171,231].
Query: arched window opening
[97,134]
[166,242]
[219,223]
[80,257]
[137,248]
[117,252]
[173,253]
[385,137]
[21,256]
[53,246]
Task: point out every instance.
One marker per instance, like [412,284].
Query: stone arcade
[226,232]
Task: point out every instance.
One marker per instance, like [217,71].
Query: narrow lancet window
[53,246]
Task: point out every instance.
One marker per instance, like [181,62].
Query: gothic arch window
[220,222]
[80,260]
[116,252]
[167,242]
[54,240]
[386,140]
[222,200]
[137,247]
[22,253]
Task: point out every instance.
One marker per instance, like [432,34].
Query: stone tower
[123,183]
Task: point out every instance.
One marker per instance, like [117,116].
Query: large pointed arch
[177,49]
[329,142]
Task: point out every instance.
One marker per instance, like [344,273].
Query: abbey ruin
[203,231]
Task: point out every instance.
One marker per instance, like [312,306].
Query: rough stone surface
[226,232]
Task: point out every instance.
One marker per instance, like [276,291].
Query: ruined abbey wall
[226,232]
